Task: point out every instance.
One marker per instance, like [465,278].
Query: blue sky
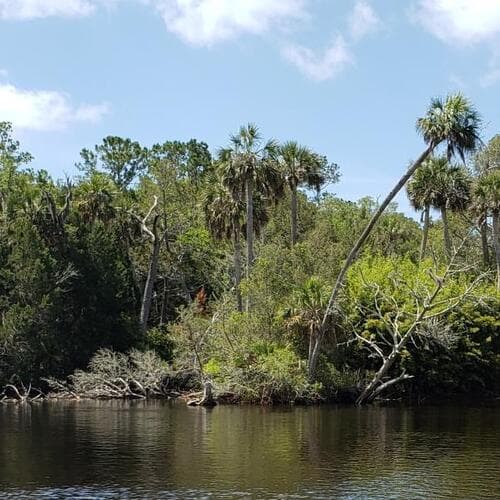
[346,77]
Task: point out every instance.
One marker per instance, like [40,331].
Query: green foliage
[457,353]
[122,159]
[439,184]
[470,363]
[453,121]
[159,341]
[264,372]
[75,256]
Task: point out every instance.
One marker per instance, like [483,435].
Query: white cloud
[205,22]
[3,73]
[363,20]
[465,22]
[21,10]
[45,109]
[462,21]
[320,67]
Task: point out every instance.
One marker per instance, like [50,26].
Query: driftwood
[19,393]
[207,398]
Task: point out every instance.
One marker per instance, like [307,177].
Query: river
[96,449]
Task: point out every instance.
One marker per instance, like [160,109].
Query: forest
[163,269]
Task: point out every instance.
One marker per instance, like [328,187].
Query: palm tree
[487,196]
[94,198]
[453,122]
[485,161]
[453,192]
[224,215]
[250,166]
[421,193]
[299,166]
[437,184]
[309,302]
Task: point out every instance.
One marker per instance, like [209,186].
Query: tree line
[239,266]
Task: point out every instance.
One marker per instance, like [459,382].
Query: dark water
[162,450]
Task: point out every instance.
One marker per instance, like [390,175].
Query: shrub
[266,373]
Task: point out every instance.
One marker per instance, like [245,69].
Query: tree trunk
[237,268]
[387,364]
[163,301]
[483,229]
[312,339]
[293,215]
[249,202]
[425,233]
[250,256]
[147,296]
[446,232]
[496,242]
[354,252]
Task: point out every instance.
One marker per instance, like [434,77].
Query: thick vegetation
[170,259]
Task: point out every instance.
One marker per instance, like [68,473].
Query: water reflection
[160,449]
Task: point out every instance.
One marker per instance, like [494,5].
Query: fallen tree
[17,392]
[110,375]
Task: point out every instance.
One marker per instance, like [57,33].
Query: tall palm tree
[453,122]
[250,167]
[299,166]
[487,196]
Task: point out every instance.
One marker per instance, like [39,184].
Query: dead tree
[427,308]
[19,393]
[157,237]
[138,375]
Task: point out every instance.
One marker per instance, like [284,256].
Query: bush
[158,340]
[265,373]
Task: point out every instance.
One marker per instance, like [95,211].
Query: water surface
[165,450]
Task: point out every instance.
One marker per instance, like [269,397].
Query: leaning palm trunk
[446,232]
[496,243]
[313,358]
[425,233]
[293,215]
[237,268]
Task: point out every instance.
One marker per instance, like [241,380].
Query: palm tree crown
[300,166]
[249,158]
[487,191]
[452,121]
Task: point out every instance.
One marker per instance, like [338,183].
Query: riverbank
[200,398]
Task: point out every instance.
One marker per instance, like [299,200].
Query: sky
[348,78]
